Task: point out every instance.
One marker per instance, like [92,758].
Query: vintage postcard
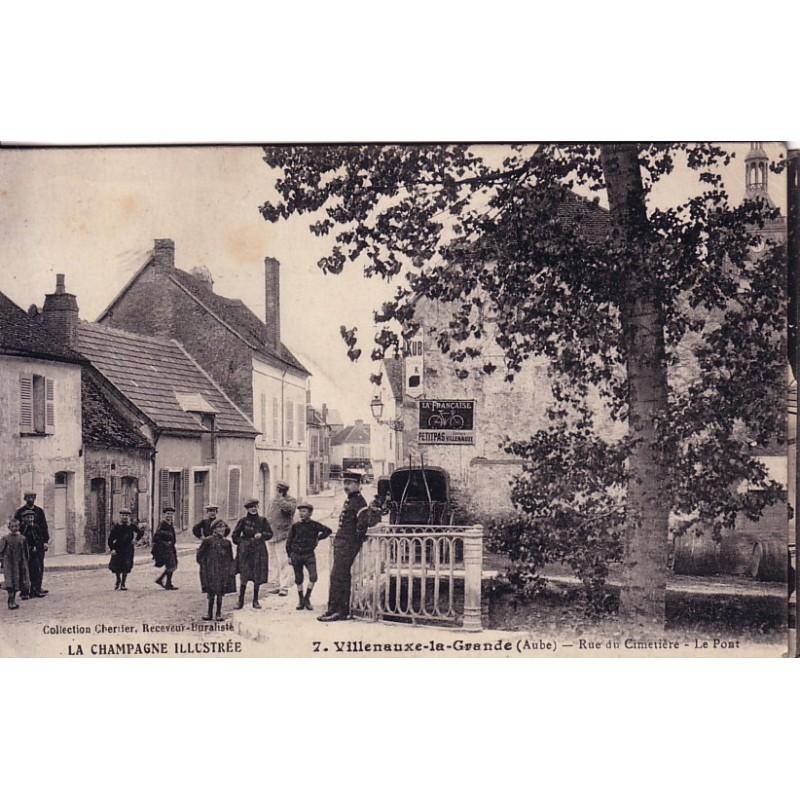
[407,400]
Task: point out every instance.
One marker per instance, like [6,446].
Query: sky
[92,214]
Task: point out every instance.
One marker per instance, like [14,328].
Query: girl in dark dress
[163,549]
[120,543]
[250,537]
[217,567]
[14,555]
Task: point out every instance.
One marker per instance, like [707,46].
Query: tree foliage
[518,245]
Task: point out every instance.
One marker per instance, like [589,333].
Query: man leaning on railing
[355,519]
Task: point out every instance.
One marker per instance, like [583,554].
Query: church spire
[756,165]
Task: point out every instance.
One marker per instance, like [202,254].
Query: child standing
[163,550]
[14,555]
[217,567]
[300,546]
[120,543]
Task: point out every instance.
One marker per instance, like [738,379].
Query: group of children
[218,568]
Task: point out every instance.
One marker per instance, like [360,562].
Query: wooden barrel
[770,561]
[695,555]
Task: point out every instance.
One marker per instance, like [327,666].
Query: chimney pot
[164,253]
[60,286]
[272,304]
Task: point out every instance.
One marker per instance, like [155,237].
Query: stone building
[489,410]
[242,354]
[40,418]
[119,459]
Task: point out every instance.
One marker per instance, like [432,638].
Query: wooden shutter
[26,403]
[275,421]
[49,406]
[301,419]
[289,422]
[184,499]
[264,417]
[163,483]
[234,477]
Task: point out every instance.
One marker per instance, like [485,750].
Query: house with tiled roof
[350,448]
[40,418]
[244,355]
[118,453]
[203,441]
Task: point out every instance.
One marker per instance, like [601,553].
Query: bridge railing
[424,574]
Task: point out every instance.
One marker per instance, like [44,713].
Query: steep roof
[231,312]
[352,434]
[150,371]
[20,335]
[102,424]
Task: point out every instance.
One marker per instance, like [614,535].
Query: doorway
[97,516]
[201,496]
[60,507]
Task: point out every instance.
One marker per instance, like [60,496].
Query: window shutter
[163,483]
[289,422]
[233,492]
[184,499]
[275,420]
[49,406]
[264,417]
[26,403]
[300,422]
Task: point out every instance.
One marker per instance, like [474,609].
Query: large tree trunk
[642,600]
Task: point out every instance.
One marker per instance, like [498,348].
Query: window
[37,414]
[234,479]
[301,418]
[289,422]
[276,420]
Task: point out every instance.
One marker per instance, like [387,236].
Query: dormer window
[205,414]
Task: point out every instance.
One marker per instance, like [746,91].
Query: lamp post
[376,406]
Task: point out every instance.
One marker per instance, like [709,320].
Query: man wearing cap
[203,528]
[280,514]
[33,526]
[353,523]
[252,562]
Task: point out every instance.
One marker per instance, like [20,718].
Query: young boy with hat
[300,546]
[14,557]
[164,550]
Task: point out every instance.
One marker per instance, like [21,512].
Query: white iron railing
[422,573]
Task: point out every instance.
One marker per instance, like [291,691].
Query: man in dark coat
[300,546]
[164,551]
[203,528]
[121,544]
[252,563]
[353,523]
[217,567]
[34,529]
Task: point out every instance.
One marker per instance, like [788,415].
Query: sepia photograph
[428,400]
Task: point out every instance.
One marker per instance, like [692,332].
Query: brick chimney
[164,253]
[60,314]
[272,286]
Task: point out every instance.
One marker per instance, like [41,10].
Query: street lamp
[376,406]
